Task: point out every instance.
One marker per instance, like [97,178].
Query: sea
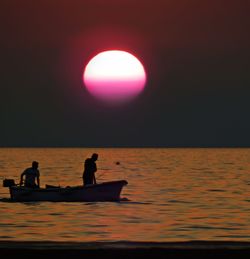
[173,194]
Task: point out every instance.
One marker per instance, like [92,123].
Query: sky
[195,53]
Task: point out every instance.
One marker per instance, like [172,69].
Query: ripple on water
[6,225]
[216,190]
[6,237]
[180,201]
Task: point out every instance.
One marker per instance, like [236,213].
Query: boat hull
[107,191]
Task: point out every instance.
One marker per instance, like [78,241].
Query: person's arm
[21,180]
[95,169]
[38,179]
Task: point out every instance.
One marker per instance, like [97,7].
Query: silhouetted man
[89,170]
[31,175]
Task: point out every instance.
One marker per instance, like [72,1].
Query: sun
[114,76]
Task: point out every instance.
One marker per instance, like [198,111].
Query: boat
[106,191]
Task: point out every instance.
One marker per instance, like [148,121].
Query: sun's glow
[114,76]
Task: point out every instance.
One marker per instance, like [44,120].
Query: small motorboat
[106,191]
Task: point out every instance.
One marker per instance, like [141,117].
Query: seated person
[31,176]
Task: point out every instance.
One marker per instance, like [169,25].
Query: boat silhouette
[106,191]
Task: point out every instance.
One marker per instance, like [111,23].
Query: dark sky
[196,54]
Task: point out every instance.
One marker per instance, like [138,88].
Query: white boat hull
[107,191]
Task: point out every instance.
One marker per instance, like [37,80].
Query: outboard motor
[8,183]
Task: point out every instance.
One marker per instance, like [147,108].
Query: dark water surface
[172,195]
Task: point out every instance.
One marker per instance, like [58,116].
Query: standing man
[89,170]
[31,176]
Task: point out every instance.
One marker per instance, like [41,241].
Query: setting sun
[114,76]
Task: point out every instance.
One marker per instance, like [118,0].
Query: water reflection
[173,195]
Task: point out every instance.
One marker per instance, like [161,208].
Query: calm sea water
[172,195]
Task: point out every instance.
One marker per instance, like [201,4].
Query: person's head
[35,164]
[94,157]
